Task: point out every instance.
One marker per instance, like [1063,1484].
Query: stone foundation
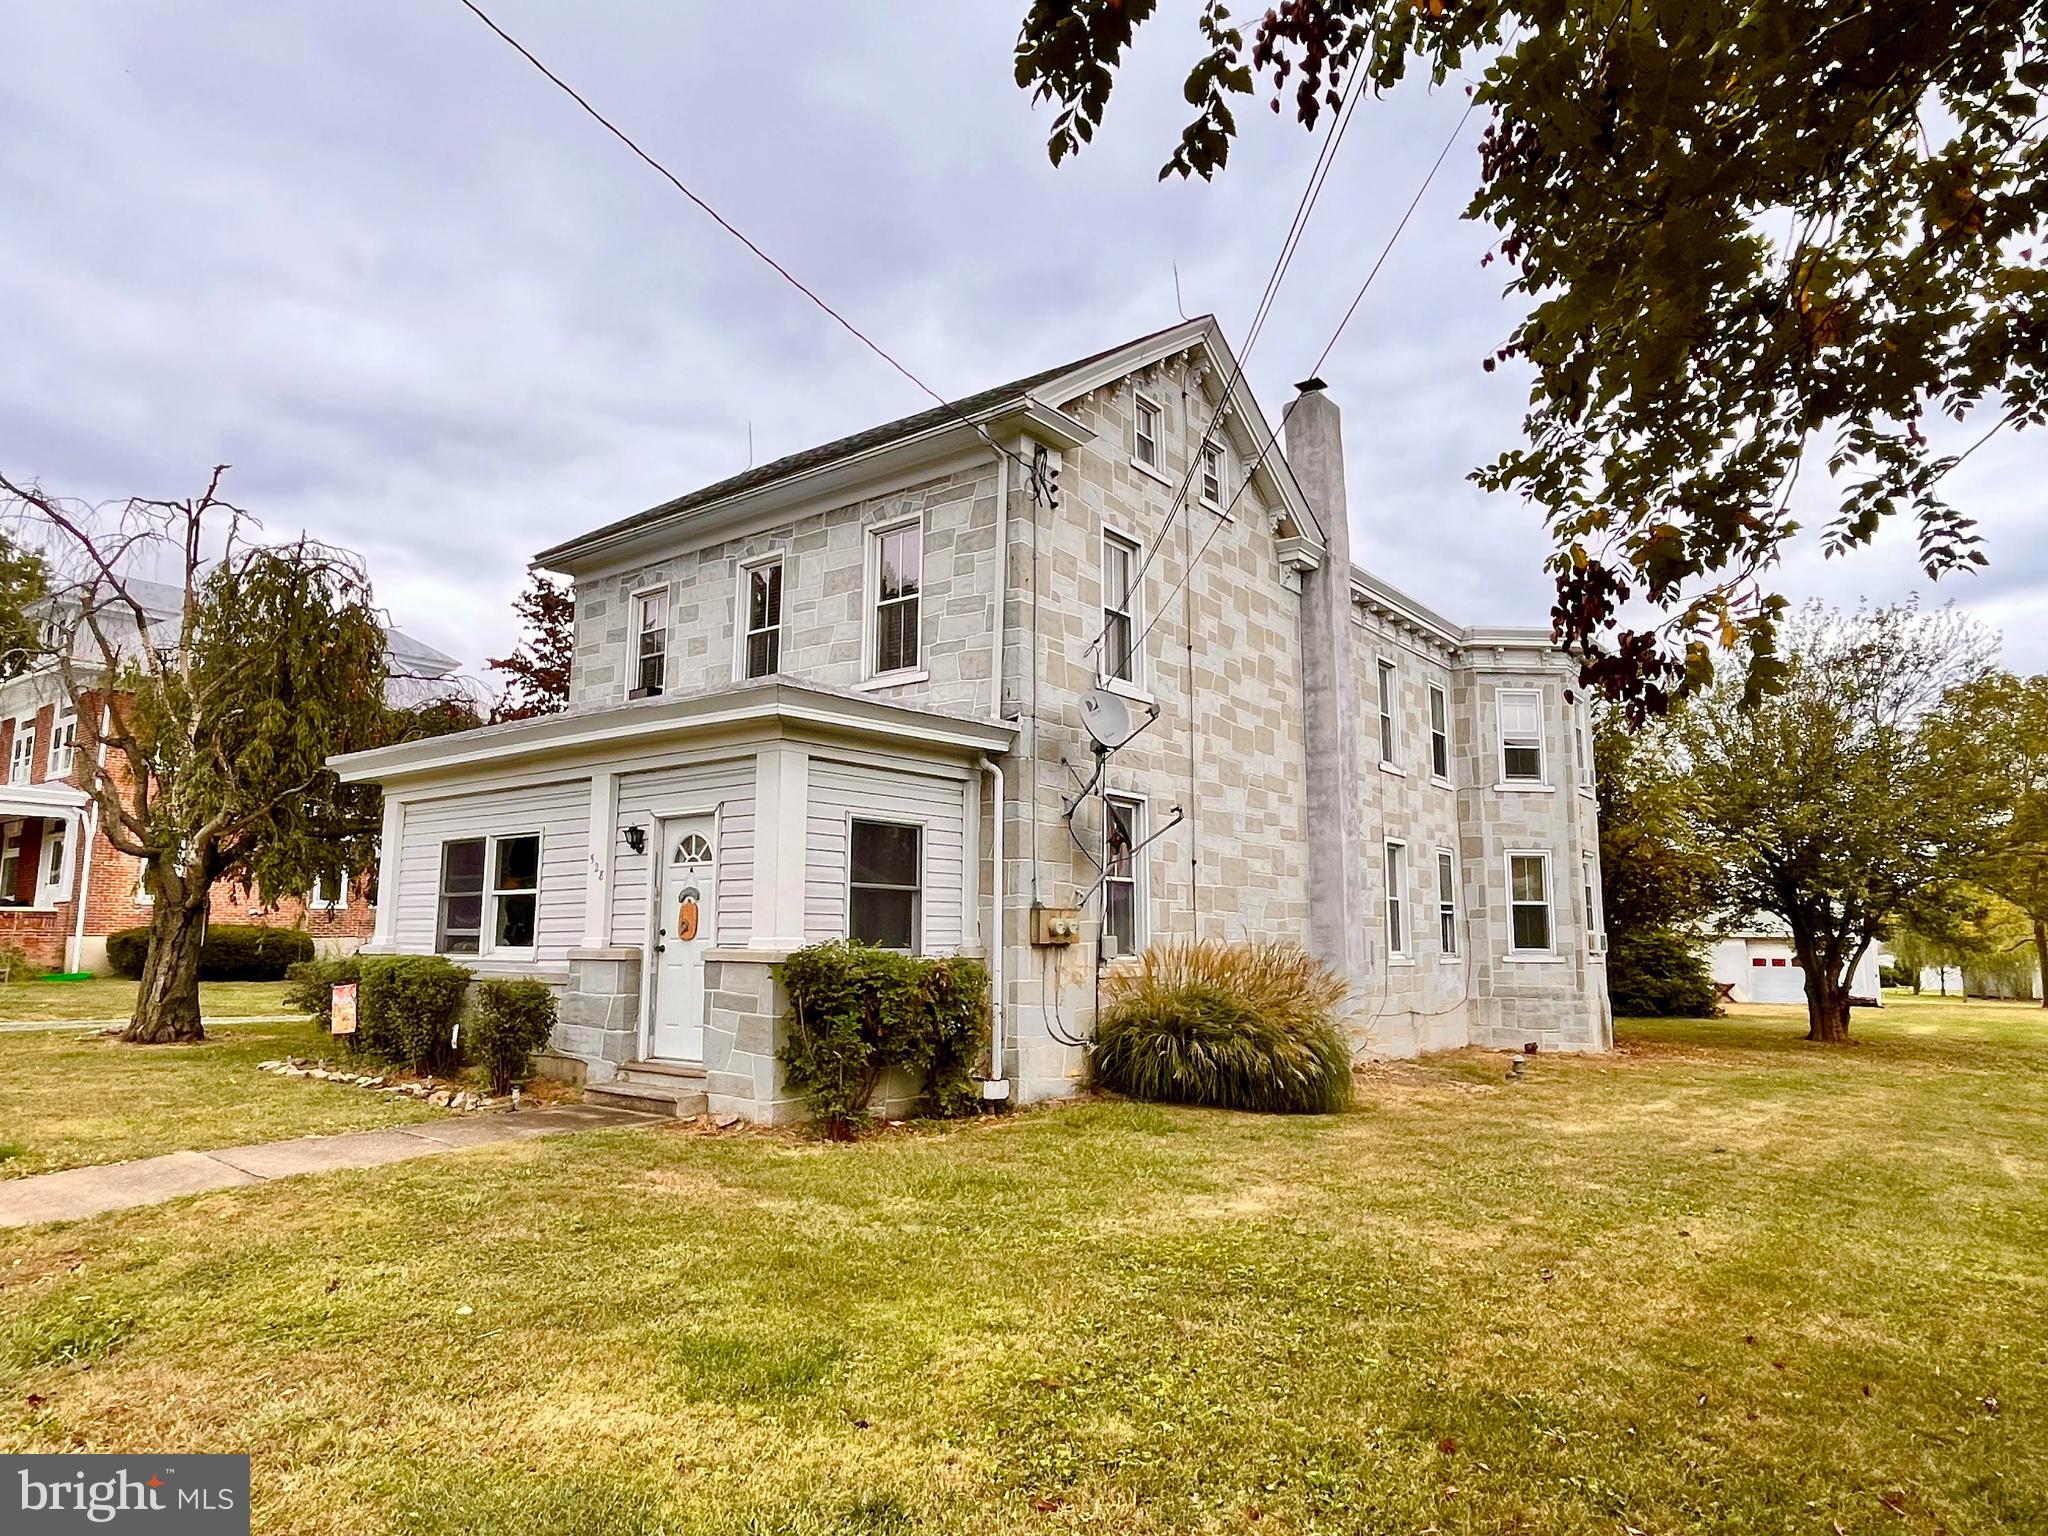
[743,1009]
[599,1014]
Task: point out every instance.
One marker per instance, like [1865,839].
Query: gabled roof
[975,407]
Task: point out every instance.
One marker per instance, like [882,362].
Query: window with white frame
[10,863]
[56,850]
[1123,884]
[1520,711]
[1212,475]
[1596,937]
[761,603]
[885,884]
[1119,609]
[1439,732]
[1583,748]
[331,891]
[897,579]
[63,745]
[1529,926]
[1447,901]
[21,752]
[1397,899]
[1386,671]
[490,895]
[650,643]
[1146,416]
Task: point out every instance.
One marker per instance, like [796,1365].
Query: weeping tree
[208,707]
[1839,802]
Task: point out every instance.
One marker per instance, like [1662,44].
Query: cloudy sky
[428,310]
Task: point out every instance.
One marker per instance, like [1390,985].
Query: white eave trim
[616,731]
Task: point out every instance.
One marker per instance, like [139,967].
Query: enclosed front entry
[685,922]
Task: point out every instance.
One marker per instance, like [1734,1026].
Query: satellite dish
[1107,718]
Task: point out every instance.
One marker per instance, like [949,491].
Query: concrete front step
[658,1087]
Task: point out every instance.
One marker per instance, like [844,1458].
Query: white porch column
[597,875]
[782,794]
[390,850]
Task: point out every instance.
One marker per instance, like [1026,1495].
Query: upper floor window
[897,580]
[1596,937]
[1123,901]
[650,643]
[1582,747]
[21,753]
[63,745]
[331,891]
[885,884]
[1529,903]
[1521,734]
[1397,900]
[1147,416]
[1439,733]
[1447,901]
[761,602]
[490,895]
[1119,608]
[1212,475]
[1386,671]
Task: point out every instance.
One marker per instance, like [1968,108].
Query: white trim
[1387,682]
[24,731]
[1139,879]
[1549,950]
[742,610]
[66,714]
[486,946]
[1455,952]
[1501,693]
[1401,950]
[923,827]
[657,863]
[636,629]
[871,599]
[1439,695]
[1133,613]
[1156,465]
[1222,450]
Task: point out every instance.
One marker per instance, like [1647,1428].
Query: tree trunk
[1827,1006]
[2041,957]
[167,1006]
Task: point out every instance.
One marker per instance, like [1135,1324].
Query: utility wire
[730,228]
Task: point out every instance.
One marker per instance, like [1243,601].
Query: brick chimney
[1314,430]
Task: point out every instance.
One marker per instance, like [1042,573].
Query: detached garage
[1758,966]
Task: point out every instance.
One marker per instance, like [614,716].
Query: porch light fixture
[636,838]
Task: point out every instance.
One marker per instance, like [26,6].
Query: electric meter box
[1055,925]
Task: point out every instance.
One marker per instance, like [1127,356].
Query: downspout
[995,1087]
[89,834]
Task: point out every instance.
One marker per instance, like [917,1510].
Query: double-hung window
[1119,609]
[761,605]
[1146,416]
[1529,904]
[63,745]
[1397,900]
[885,883]
[1596,937]
[1439,733]
[1447,901]
[331,891]
[1520,711]
[897,579]
[1387,694]
[1123,886]
[650,643]
[490,895]
[21,753]
[10,863]
[1212,475]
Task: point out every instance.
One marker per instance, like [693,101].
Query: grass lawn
[111,997]
[1719,1281]
[67,1099]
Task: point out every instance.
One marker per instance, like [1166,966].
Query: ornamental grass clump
[1236,1026]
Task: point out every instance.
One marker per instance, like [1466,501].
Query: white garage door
[1776,979]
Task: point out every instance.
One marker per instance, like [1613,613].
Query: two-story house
[63,885]
[850,693]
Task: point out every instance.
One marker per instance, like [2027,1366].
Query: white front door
[685,919]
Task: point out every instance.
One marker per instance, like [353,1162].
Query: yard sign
[344,1009]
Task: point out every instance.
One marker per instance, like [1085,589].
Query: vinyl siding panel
[729,786]
[839,790]
[559,812]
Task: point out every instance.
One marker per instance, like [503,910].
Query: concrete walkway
[101,1026]
[75,1193]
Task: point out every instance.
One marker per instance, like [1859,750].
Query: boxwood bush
[231,952]
[508,1022]
[1238,1026]
[856,1012]
[407,1009]
[311,985]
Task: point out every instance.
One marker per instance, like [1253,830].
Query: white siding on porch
[728,785]
[840,790]
[560,813]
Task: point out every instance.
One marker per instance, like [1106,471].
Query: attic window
[1212,476]
[1147,417]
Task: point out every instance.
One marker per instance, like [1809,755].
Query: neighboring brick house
[847,694]
[64,887]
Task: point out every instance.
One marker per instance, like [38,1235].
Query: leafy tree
[2007,717]
[217,721]
[1838,803]
[1983,938]
[21,583]
[1657,885]
[1739,230]
[539,668]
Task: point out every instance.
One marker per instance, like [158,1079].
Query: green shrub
[1892,974]
[1660,973]
[856,1012]
[1238,1026]
[15,964]
[231,952]
[407,1007]
[508,1023]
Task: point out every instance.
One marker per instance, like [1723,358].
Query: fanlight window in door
[693,849]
